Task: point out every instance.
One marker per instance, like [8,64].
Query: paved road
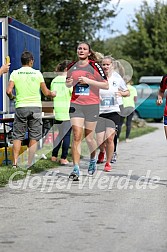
[124,210]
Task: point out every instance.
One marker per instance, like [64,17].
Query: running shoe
[14,166]
[75,174]
[114,158]
[100,158]
[107,167]
[92,167]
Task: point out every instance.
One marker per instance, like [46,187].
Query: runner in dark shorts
[87,77]
[109,112]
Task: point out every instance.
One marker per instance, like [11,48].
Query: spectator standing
[61,111]
[28,113]
[128,110]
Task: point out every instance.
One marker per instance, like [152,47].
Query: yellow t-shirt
[128,101]
[62,99]
[27,86]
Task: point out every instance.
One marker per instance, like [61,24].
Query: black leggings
[128,124]
[62,139]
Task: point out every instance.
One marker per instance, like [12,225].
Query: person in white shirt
[109,116]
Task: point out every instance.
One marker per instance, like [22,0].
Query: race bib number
[82,89]
[107,102]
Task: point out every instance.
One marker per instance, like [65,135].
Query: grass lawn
[41,165]
[136,132]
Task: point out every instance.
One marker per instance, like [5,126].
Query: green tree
[61,24]
[146,41]
[114,46]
